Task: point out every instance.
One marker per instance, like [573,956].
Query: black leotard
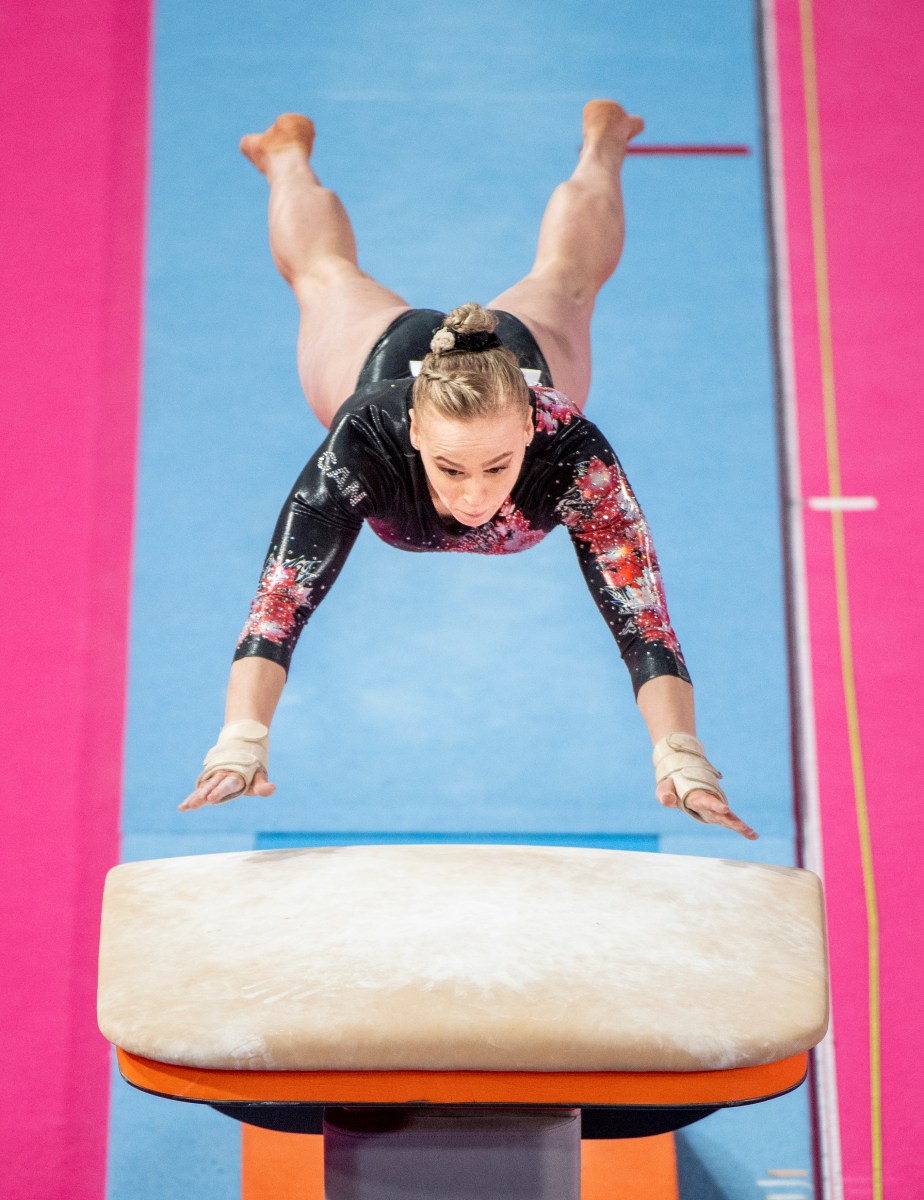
[367,470]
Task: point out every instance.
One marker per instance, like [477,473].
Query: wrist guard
[681,758]
[242,747]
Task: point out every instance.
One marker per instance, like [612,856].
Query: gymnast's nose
[475,497]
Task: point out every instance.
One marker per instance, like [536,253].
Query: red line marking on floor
[680,149]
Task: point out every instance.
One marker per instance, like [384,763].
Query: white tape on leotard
[531,376]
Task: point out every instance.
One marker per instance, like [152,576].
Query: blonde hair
[461,382]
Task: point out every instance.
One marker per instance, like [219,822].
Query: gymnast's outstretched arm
[319,522]
[614,547]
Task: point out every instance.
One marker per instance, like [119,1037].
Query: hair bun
[468,329]
[471,318]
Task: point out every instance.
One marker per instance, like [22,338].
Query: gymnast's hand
[237,765]
[705,807]
[688,781]
[227,785]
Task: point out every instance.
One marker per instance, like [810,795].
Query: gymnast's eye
[498,470]
[450,472]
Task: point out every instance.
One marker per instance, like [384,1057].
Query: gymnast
[464,457]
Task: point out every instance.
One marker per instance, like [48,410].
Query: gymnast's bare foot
[608,127]
[289,131]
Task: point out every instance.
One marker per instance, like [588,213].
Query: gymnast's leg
[342,309]
[580,242]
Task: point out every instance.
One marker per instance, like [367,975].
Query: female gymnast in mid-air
[465,457]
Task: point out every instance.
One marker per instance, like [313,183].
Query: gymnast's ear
[415,435]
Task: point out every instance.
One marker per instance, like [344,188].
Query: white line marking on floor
[842,503]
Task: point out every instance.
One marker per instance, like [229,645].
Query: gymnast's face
[471,465]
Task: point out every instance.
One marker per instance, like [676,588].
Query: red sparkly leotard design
[367,470]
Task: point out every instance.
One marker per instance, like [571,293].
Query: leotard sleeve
[314,534]
[614,547]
